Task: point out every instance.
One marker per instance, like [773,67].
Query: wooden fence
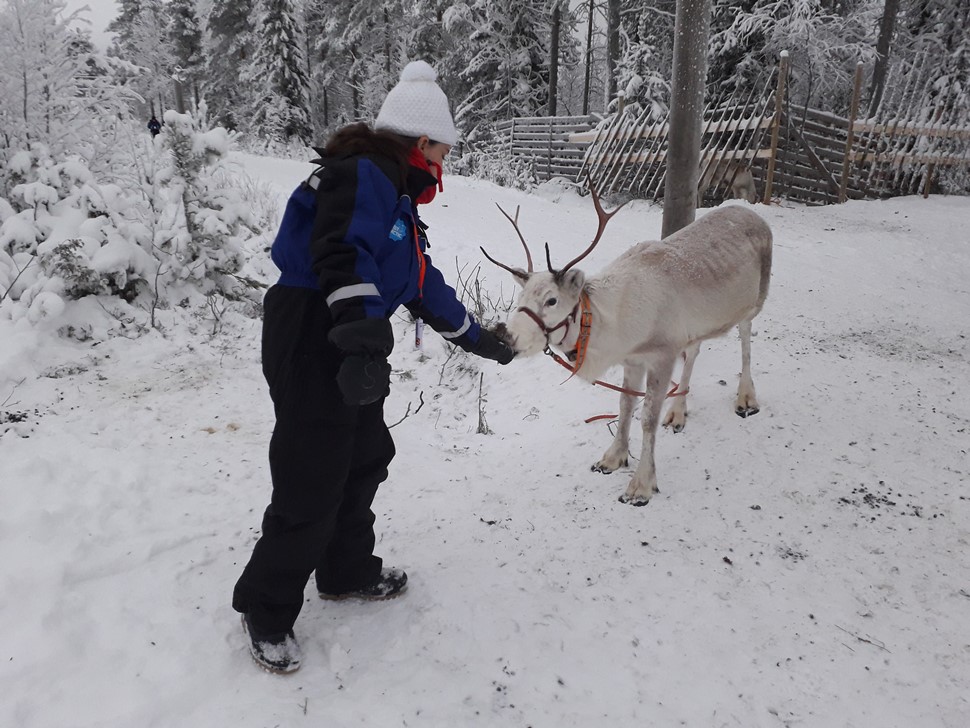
[544,143]
[796,153]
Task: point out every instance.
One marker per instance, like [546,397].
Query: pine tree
[142,30]
[736,60]
[825,41]
[185,37]
[229,50]
[123,26]
[508,72]
[281,87]
[646,55]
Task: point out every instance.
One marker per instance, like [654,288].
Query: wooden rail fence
[796,153]
[544,142]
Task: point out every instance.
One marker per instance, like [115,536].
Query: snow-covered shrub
[209,250]
[494,163]
[61,216]
[173,230]
[69,262]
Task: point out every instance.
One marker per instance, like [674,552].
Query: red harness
[578,355]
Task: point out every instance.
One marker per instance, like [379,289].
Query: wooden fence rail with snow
[800,153]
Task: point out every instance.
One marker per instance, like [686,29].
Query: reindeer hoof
[674,422]
[602,467]
[637,501]
[746,411]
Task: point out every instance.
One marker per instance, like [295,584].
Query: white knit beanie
[417,106]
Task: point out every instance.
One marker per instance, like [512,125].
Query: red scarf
[418,160]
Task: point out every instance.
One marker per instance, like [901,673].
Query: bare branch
[14,281]
[407,412]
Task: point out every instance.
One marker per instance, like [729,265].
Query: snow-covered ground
[807,567]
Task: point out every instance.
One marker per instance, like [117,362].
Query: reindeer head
[549,302]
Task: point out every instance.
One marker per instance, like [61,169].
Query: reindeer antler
[515,224]
[604,217]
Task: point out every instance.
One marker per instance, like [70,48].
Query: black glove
[364,379]
[364,375]
[492,347]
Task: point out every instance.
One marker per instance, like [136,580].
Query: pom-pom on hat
[417,106]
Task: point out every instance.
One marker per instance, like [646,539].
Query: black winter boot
[391,583]
[273,652]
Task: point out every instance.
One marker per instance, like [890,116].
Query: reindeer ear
[573,281]
[521,277]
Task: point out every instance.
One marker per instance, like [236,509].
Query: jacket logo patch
[399,230]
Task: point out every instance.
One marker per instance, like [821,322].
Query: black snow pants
[326,459]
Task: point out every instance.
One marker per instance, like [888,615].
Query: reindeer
[733,173]
[657,300]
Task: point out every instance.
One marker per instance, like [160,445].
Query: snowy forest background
[91,205]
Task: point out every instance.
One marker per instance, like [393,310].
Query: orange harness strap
[582,344]
[422,263]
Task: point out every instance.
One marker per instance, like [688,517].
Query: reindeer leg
[617,455]
[677,412]
[747,403]
[644,482]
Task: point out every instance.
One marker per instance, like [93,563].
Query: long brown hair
[361,139]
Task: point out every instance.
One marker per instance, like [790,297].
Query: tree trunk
[554,60]
[612,48]
[387,49]
[887,28]
[691,30]
[354,82]
[589,58]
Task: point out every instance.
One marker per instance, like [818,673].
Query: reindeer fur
[656,300]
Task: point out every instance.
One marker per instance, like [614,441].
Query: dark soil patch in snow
[883,499]
[19,422]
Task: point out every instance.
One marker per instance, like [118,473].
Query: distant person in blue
[351,250]
[154,126]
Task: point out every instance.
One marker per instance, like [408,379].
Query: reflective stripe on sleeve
[455,334]
[354,291]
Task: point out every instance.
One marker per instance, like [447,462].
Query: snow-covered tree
[143,41]
[824,43]
[123,27]
[280,101]
[508,72]
[228,51]
[185,37]
[935,33]
[646,54]
[56,90]
[208,248]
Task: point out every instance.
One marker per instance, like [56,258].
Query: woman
[326,338]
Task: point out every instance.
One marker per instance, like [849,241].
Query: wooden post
[776,123]
[853,110]
[692,27]
[928,180]
[554,60]
[930,167]
[549,157]
[511,136]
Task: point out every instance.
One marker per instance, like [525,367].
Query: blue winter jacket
[364,247]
